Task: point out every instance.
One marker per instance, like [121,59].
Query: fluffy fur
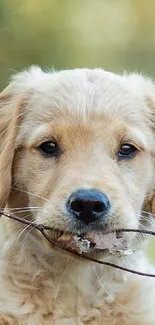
[89,113]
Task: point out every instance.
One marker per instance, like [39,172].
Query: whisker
[21,211]
[47,253]
[30,193]
[23,208]
[61,278]
[146,229]
[104,288]
[28,233]
[143,244]
[148,213]
[147,195]
[15,238]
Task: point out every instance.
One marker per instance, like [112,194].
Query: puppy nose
[88,205]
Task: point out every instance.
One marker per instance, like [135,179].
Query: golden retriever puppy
[76,154]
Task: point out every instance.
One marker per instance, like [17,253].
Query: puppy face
[84,148]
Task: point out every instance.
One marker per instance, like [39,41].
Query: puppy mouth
[110,242]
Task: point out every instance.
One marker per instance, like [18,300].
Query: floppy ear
[152,207]
[144,88]
[10,112]
[12,104]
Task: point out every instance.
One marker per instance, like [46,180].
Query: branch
[42,229]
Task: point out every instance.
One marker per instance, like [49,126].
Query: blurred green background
[114,34]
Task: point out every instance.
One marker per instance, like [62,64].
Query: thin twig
[42,229]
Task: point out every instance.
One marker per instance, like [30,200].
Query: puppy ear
[152,207]
[12,103]
[10,113]
[144,87]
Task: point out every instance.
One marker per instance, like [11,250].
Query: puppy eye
[49,148]
[127,151]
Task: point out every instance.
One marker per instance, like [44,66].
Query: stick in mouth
[42,229]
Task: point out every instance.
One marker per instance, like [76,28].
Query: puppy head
[79,145]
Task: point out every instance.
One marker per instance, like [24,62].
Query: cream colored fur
[88,112]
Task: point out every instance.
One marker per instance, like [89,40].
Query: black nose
[88,205]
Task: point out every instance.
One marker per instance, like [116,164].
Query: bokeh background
[114,34]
